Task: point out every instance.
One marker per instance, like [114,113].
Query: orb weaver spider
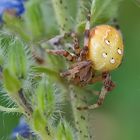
[102,52]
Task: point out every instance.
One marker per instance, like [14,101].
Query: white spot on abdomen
[104,55]
[119,51]
[107,42]
[112,61]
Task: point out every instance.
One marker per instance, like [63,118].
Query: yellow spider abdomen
[105,48]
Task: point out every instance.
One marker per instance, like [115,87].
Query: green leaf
[11,82]
[34,19]
[64,131]
[16,25]
[40,95]
[40,125]
[45,98]
[50,98]
[103,10]
[39,121]
[48,71]
[17,59]
[1,57]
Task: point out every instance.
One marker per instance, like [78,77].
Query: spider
[102,52]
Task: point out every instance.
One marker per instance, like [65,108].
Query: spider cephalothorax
[102,52]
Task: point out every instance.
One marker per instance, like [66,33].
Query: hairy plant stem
[80,117]
[81,10]
[61,11]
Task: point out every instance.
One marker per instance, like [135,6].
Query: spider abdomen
[105,48]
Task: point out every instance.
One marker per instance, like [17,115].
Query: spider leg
[64,53]
[76,45]
[96,79]
[56,42]
[108,86]
[76,68]
[84,51]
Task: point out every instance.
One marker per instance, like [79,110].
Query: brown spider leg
[96,79]
[64,53]
[108,86]
[76,68]
[56,41]
[76,46]
[84,51]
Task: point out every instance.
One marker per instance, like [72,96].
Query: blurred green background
[119,117]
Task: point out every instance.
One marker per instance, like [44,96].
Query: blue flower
[22,129]
[16,5]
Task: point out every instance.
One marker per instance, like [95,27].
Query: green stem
[81,10]
[62,15]
[80,117]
